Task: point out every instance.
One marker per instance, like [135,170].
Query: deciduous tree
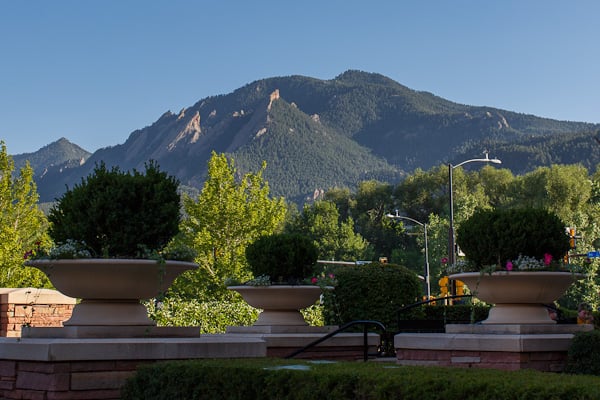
[228,214]
[22,224]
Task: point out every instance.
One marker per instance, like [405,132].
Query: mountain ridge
[315,134]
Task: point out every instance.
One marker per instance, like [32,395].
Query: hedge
[279,379]
[373,291]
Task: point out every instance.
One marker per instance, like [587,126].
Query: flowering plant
[512,240]
[521,263]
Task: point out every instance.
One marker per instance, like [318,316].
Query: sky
[95,71]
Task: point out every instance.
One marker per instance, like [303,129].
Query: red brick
[8,368]
[7,384]
[85,395]
[24,394]
[44,367]
[90,366]
[502,357]
[548,355]
[43,382]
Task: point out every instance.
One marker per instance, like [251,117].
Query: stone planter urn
[518,297]
[281,304]
[111,289]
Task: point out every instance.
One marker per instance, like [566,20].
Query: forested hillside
[316,134]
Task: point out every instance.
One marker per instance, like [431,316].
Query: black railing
[341,329]
[435,325]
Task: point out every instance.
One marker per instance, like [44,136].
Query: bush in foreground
[292,379]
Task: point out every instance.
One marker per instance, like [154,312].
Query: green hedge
[584,354]
[267,379]
[374,292]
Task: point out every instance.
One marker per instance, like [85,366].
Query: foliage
[295,379]
[584,354]
[284,257]
[493,237]
[210,316]
[214,316]
[334,239]
[22,225]
[119,214]
[373,291]
[229,214]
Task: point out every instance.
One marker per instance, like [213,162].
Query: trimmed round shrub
[119,214]
[490,237]
[284,257]
[373,292]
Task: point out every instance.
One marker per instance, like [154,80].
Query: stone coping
[281,329]
[60,349]
[303,339]
[518,329]
[100,332]
[484,342]
[33,296]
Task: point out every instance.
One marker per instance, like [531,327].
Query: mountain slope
[315,134]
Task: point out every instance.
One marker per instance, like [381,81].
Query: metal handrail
[420,303]
[365,324]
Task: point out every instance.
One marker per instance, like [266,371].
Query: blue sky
[94,71]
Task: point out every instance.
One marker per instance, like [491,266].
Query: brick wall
[32,307]
[548,361]
[99,380]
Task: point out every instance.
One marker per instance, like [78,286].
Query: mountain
[315,134]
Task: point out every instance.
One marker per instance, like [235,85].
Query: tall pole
[451,232]
[426,277]
[451,235]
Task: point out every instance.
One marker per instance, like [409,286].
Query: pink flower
[509,265]
[547,258]
[331,276]
[444,260]
[314,280]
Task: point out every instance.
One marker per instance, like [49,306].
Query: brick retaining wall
[32,307]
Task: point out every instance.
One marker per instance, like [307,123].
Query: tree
[227,215]
[22,225]
[335,239]
[373,202]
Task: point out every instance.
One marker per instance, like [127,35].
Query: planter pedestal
[542,347]
[111,289]
[280,304]
[518,297]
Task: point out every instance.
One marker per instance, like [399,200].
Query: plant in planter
[284,258]
[282,265]
[514,260]
[112,232]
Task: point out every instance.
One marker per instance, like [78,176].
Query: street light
[424,225]
[451,233]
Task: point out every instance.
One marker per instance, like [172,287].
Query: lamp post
[451,233]
[426,272]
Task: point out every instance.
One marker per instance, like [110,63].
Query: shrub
[279,379]
[374,291]
[491,237]
[584,354]
[119,214]
[209,316]
[284,257]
